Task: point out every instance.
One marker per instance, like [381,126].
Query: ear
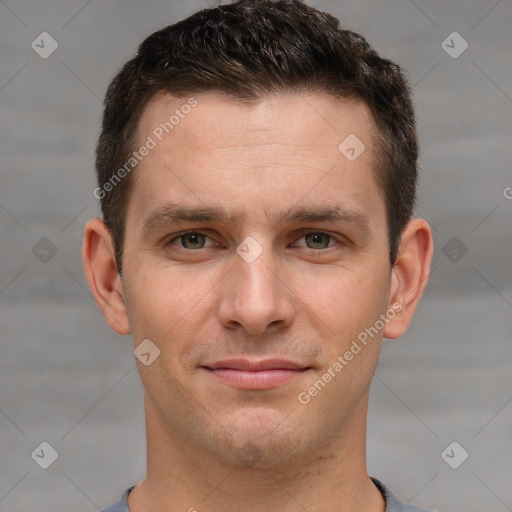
[100,267]
[409,275]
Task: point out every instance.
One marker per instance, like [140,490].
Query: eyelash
[338,241]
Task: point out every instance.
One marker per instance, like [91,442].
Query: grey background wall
[67,380]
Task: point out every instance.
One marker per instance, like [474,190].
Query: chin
[259,439]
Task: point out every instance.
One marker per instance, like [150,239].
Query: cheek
[164,300]
[344,300]
[174,306]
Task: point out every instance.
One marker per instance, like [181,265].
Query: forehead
[277,151]
[300,119]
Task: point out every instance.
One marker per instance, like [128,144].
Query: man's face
[250,306]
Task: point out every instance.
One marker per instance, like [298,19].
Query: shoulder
[121,505]
[394,504]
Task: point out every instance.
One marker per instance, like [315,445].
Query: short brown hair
[249,49]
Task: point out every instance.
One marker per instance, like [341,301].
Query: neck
[181,476]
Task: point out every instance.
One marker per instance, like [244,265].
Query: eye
[318,240]
[192,240]
[196,241]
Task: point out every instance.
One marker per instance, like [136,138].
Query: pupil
[192,239]
[316,239]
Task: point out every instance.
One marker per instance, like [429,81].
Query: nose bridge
[254,298]
[258,279]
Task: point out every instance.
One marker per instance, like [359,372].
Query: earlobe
[100,268]
[409,275]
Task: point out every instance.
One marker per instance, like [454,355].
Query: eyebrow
[172,213]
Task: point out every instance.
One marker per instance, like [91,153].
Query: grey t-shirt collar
[393,504]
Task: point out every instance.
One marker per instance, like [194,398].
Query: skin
[210,445]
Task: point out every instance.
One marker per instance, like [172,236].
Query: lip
[255,366]
[245,374]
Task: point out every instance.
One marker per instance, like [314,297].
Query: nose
[255,297]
